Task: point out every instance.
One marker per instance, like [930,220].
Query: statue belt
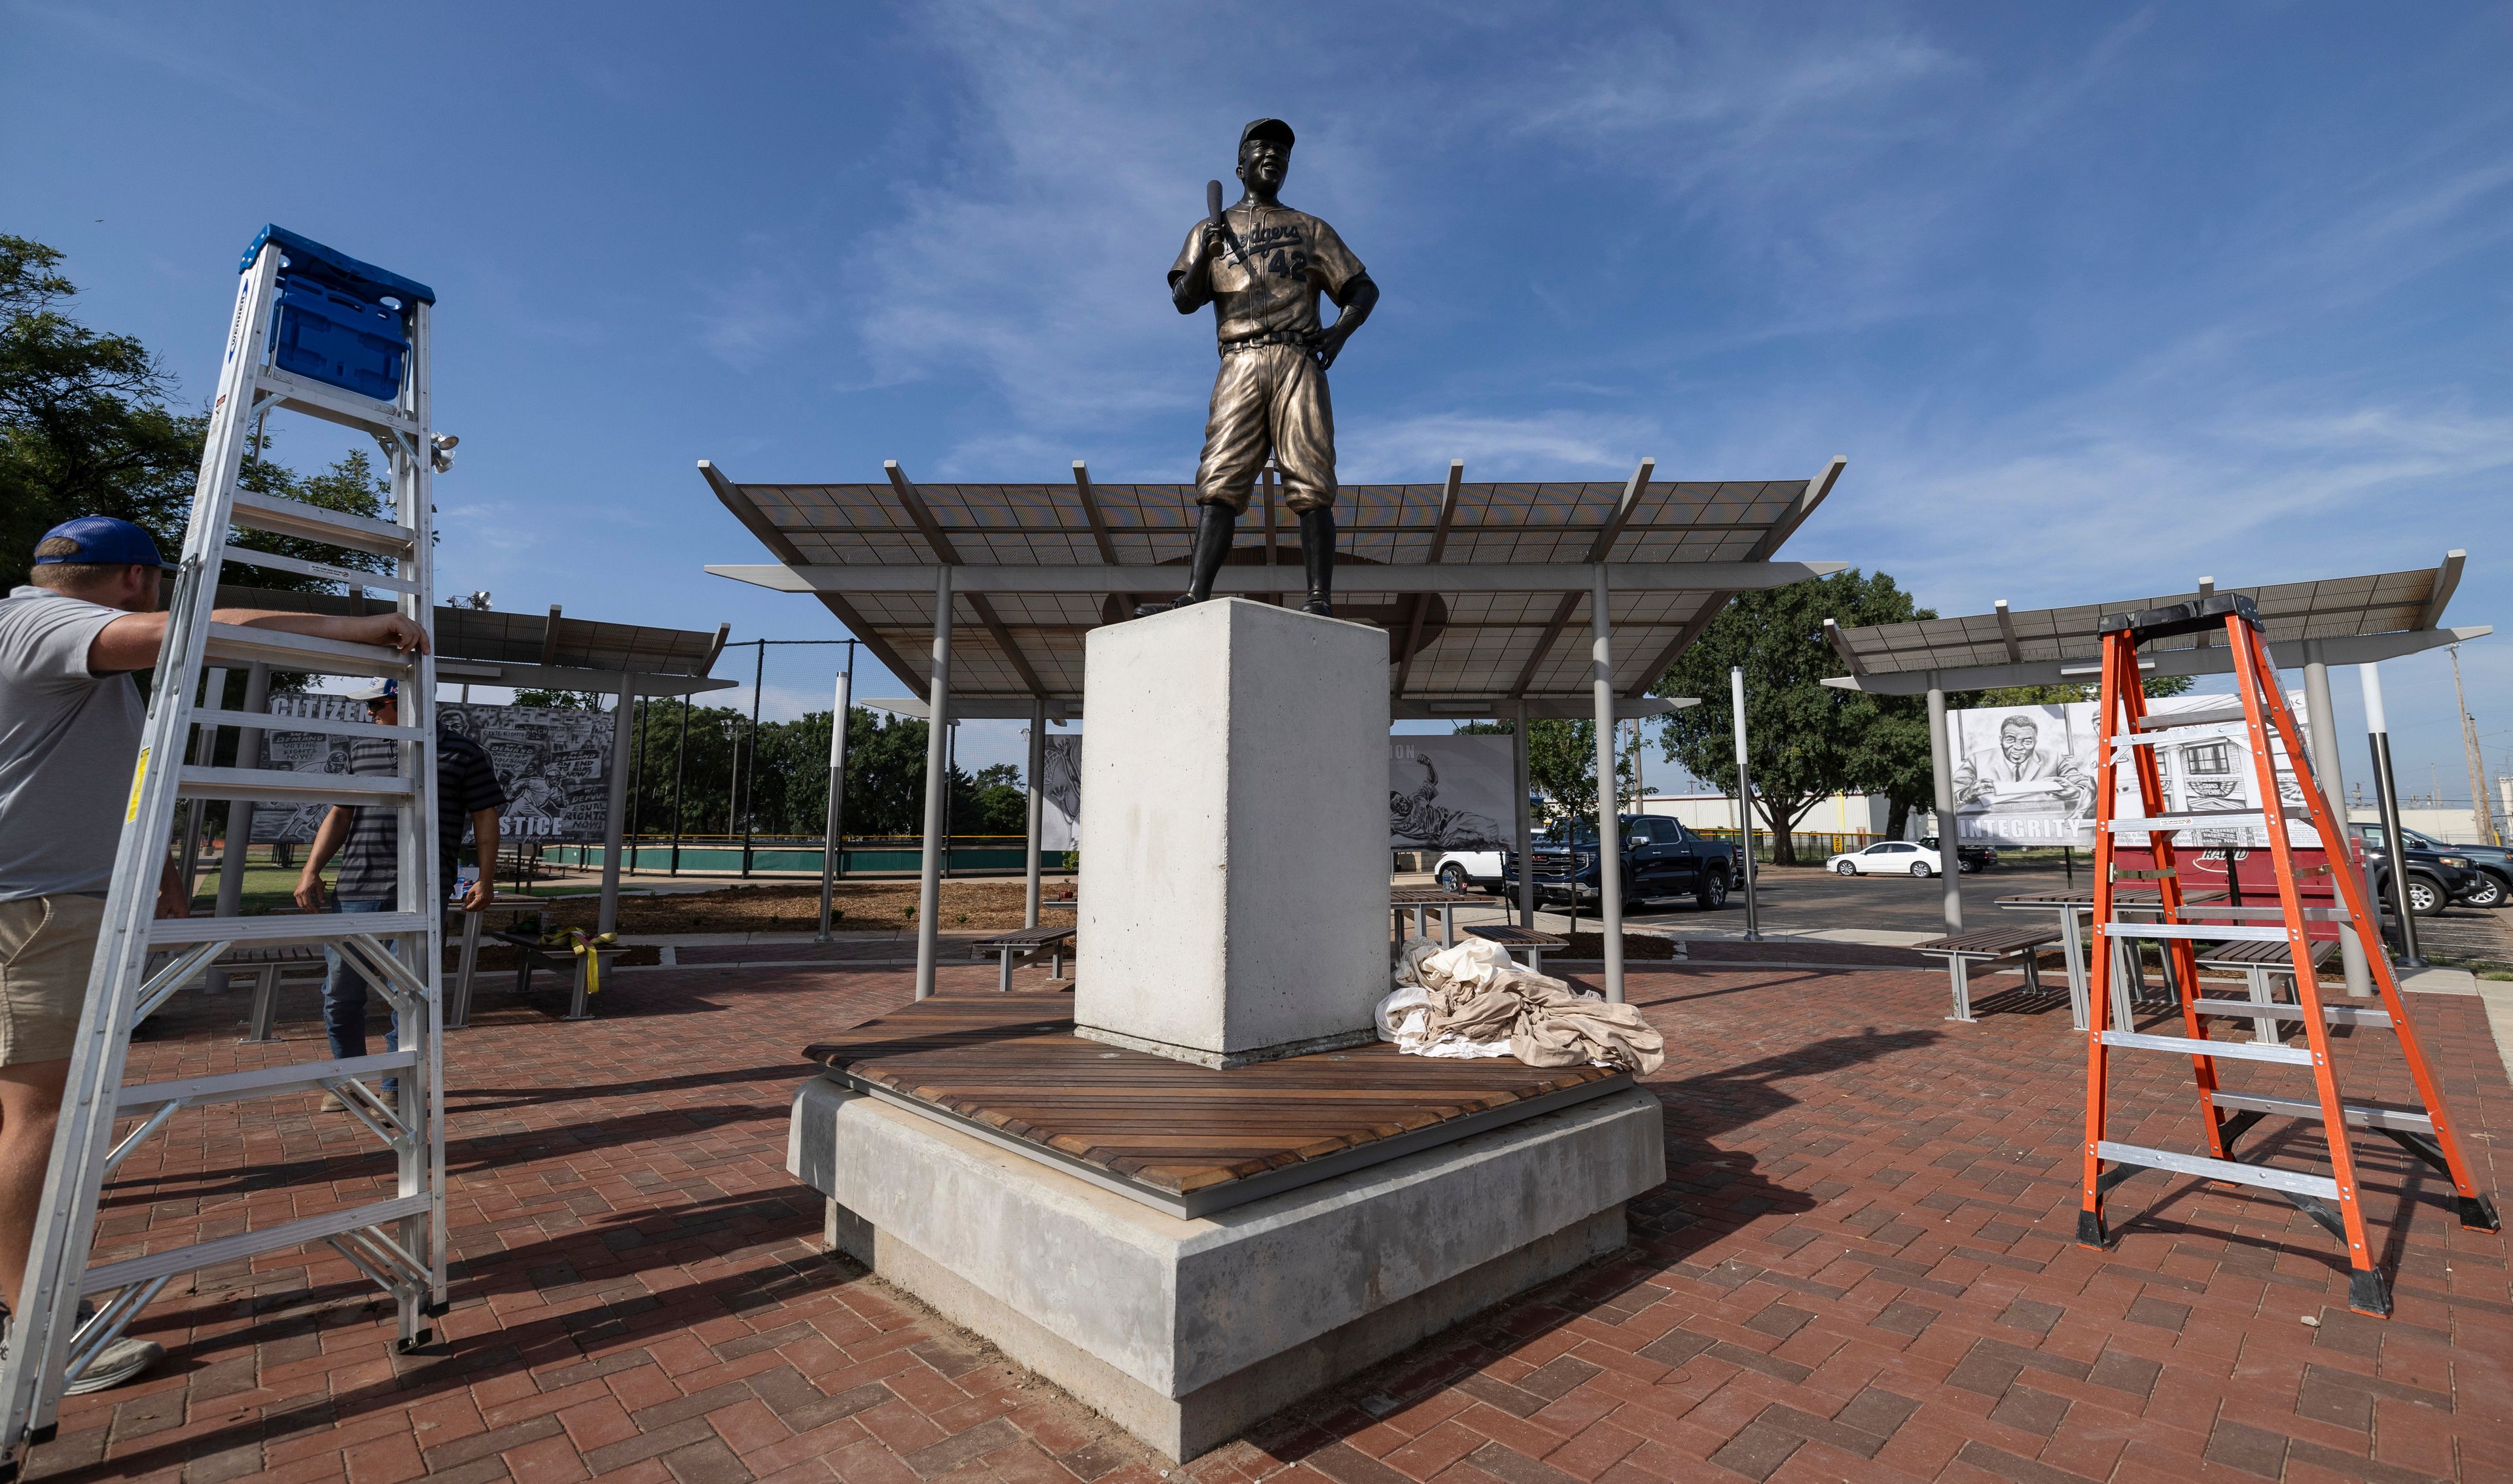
[1270,337]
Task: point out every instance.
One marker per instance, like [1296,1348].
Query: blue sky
[2236,272]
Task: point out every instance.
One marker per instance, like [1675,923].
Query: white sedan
[1887,858]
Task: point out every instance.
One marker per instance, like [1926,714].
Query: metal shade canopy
[530,651]
[2333,621]
[551,651]
[2309,626]
[1484,588]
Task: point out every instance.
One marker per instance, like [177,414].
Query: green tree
[1806,740]
[84,428]
[1000,805]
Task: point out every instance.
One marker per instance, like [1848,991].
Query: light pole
[2386,794]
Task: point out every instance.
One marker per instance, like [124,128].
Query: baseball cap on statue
[377,690]
[101,539]
[1267,129]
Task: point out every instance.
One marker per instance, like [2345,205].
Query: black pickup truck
[1660,859]
[2433,877]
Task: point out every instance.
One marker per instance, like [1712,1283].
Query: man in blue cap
[70,724]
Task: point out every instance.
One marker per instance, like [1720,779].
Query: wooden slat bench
[1031,941]
[2257,961]
[1535,944]
[1989,945]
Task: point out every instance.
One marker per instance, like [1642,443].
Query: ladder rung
[332,404]
[2246,1010]
[107,1276]
[282,650]
[2191,1046]
[273,786]
[281,928]
[211,717]
[263,1082]
[353,577]
[2205,932]
[2293,1181]
[2165,721]
[2257,913]
[2175,823]
[2362,1115]
[282,516]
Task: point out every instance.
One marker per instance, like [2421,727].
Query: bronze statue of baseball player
[1261,265]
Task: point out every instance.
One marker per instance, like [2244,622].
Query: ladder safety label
[138,776]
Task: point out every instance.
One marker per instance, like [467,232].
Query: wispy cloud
[1494,447]
[748,317]
[158,45]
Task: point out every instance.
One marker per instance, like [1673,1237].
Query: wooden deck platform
[1188,1140]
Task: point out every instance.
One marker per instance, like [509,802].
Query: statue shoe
[1320,605]
[1182,600]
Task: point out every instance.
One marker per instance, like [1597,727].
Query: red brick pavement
[1861,1267]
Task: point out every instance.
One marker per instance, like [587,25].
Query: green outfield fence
[794,854]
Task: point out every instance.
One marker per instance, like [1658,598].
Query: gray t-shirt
[68,740]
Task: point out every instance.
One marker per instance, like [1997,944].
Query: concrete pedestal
[1233,902]
[1184,1331]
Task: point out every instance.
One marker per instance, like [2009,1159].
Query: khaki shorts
[1268,399]
[45,946]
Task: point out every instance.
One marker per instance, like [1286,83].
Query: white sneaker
[122,1360]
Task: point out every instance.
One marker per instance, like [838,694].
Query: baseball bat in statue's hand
[1212,213]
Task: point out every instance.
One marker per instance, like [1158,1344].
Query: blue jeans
[344,999]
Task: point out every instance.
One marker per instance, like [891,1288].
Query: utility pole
[2482,812]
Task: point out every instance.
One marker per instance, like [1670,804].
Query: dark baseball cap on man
[1267,129]
[101,539]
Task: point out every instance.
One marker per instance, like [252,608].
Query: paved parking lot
[1812,899]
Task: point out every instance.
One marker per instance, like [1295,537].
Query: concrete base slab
[1185,1330]
[2436,979]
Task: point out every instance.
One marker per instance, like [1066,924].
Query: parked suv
[2491,866]
[1971,857]
[1660,859]
[2432,877]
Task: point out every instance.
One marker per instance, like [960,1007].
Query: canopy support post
[1037,806]
[937,786]
[615,824]
[1525,820]
[1950,840]
[1610,824]
[833,839]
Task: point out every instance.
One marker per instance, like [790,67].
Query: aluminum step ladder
[318,333]
[2129,736]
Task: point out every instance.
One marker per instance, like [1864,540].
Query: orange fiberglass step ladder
[2126,735]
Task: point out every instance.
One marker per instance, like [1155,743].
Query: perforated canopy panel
[525,638]
[2357,619]
[1480,642]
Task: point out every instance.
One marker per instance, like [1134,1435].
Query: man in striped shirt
[369,845]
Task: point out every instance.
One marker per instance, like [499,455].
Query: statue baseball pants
[1268,399]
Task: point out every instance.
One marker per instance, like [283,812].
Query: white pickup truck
[1464,869]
